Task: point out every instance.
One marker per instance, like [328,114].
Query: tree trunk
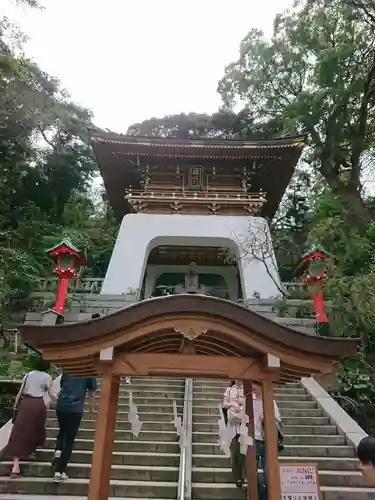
[357,205]
[351,197]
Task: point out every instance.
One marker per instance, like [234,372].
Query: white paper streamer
[133,417]
[181,433]
[226,433]
[244,439]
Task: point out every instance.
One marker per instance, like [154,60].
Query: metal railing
[184,479]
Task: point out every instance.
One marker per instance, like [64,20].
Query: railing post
[184,480]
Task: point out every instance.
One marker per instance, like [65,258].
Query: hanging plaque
[300,482]
[196,178]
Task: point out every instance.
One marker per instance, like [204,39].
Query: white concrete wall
[140,233]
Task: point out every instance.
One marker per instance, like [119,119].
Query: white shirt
[37,384]
[258,417]
[235,392]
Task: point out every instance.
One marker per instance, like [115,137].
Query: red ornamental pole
[62,292]
[320,313]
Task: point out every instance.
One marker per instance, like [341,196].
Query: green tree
[220,125]
[316,74]
[366,9]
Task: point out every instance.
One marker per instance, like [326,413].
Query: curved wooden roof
[214,327]
[121,159]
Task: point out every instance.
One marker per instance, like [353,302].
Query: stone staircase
[148,466]
[309,437]
[143,467]
[84,305]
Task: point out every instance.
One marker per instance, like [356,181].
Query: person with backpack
[69,411]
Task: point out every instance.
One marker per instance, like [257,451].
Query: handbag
[234,417]
[16,408]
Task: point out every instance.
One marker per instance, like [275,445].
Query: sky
[129,60]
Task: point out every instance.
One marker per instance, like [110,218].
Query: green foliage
[46,172]
[317,74]
[221,125]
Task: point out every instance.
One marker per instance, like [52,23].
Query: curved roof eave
[185,304]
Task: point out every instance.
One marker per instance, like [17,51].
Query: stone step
[208,491]
[79,487]
[120,457]
[279,397]
[200,391]
[288,429]
[224,383]
[303,421]
[326,477]
[158,395]
[120,446]
[152,381]
[166,408]
[140,386]
[151,422]
[324,463]
[210,404]
[297,450]
[148,425]
[289,404]
[121,418]
[157,403]
[284,412]
[202,396]
[291,439]
[121,435]
[42,470]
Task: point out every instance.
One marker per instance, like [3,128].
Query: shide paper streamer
[181,432]
[133,417]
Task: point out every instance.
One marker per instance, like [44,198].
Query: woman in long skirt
[29,429]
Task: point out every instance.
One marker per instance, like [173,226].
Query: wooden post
[104,436]
[272,458]
[251,459]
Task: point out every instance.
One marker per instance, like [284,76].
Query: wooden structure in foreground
[185,336]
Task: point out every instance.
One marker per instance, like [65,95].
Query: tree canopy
[47,170]
[316,74]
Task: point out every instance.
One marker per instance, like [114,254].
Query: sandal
[15,475]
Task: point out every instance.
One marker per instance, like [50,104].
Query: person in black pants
[69,411]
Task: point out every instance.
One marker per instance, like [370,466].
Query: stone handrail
[94,285]
[344,422]
[81,285]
